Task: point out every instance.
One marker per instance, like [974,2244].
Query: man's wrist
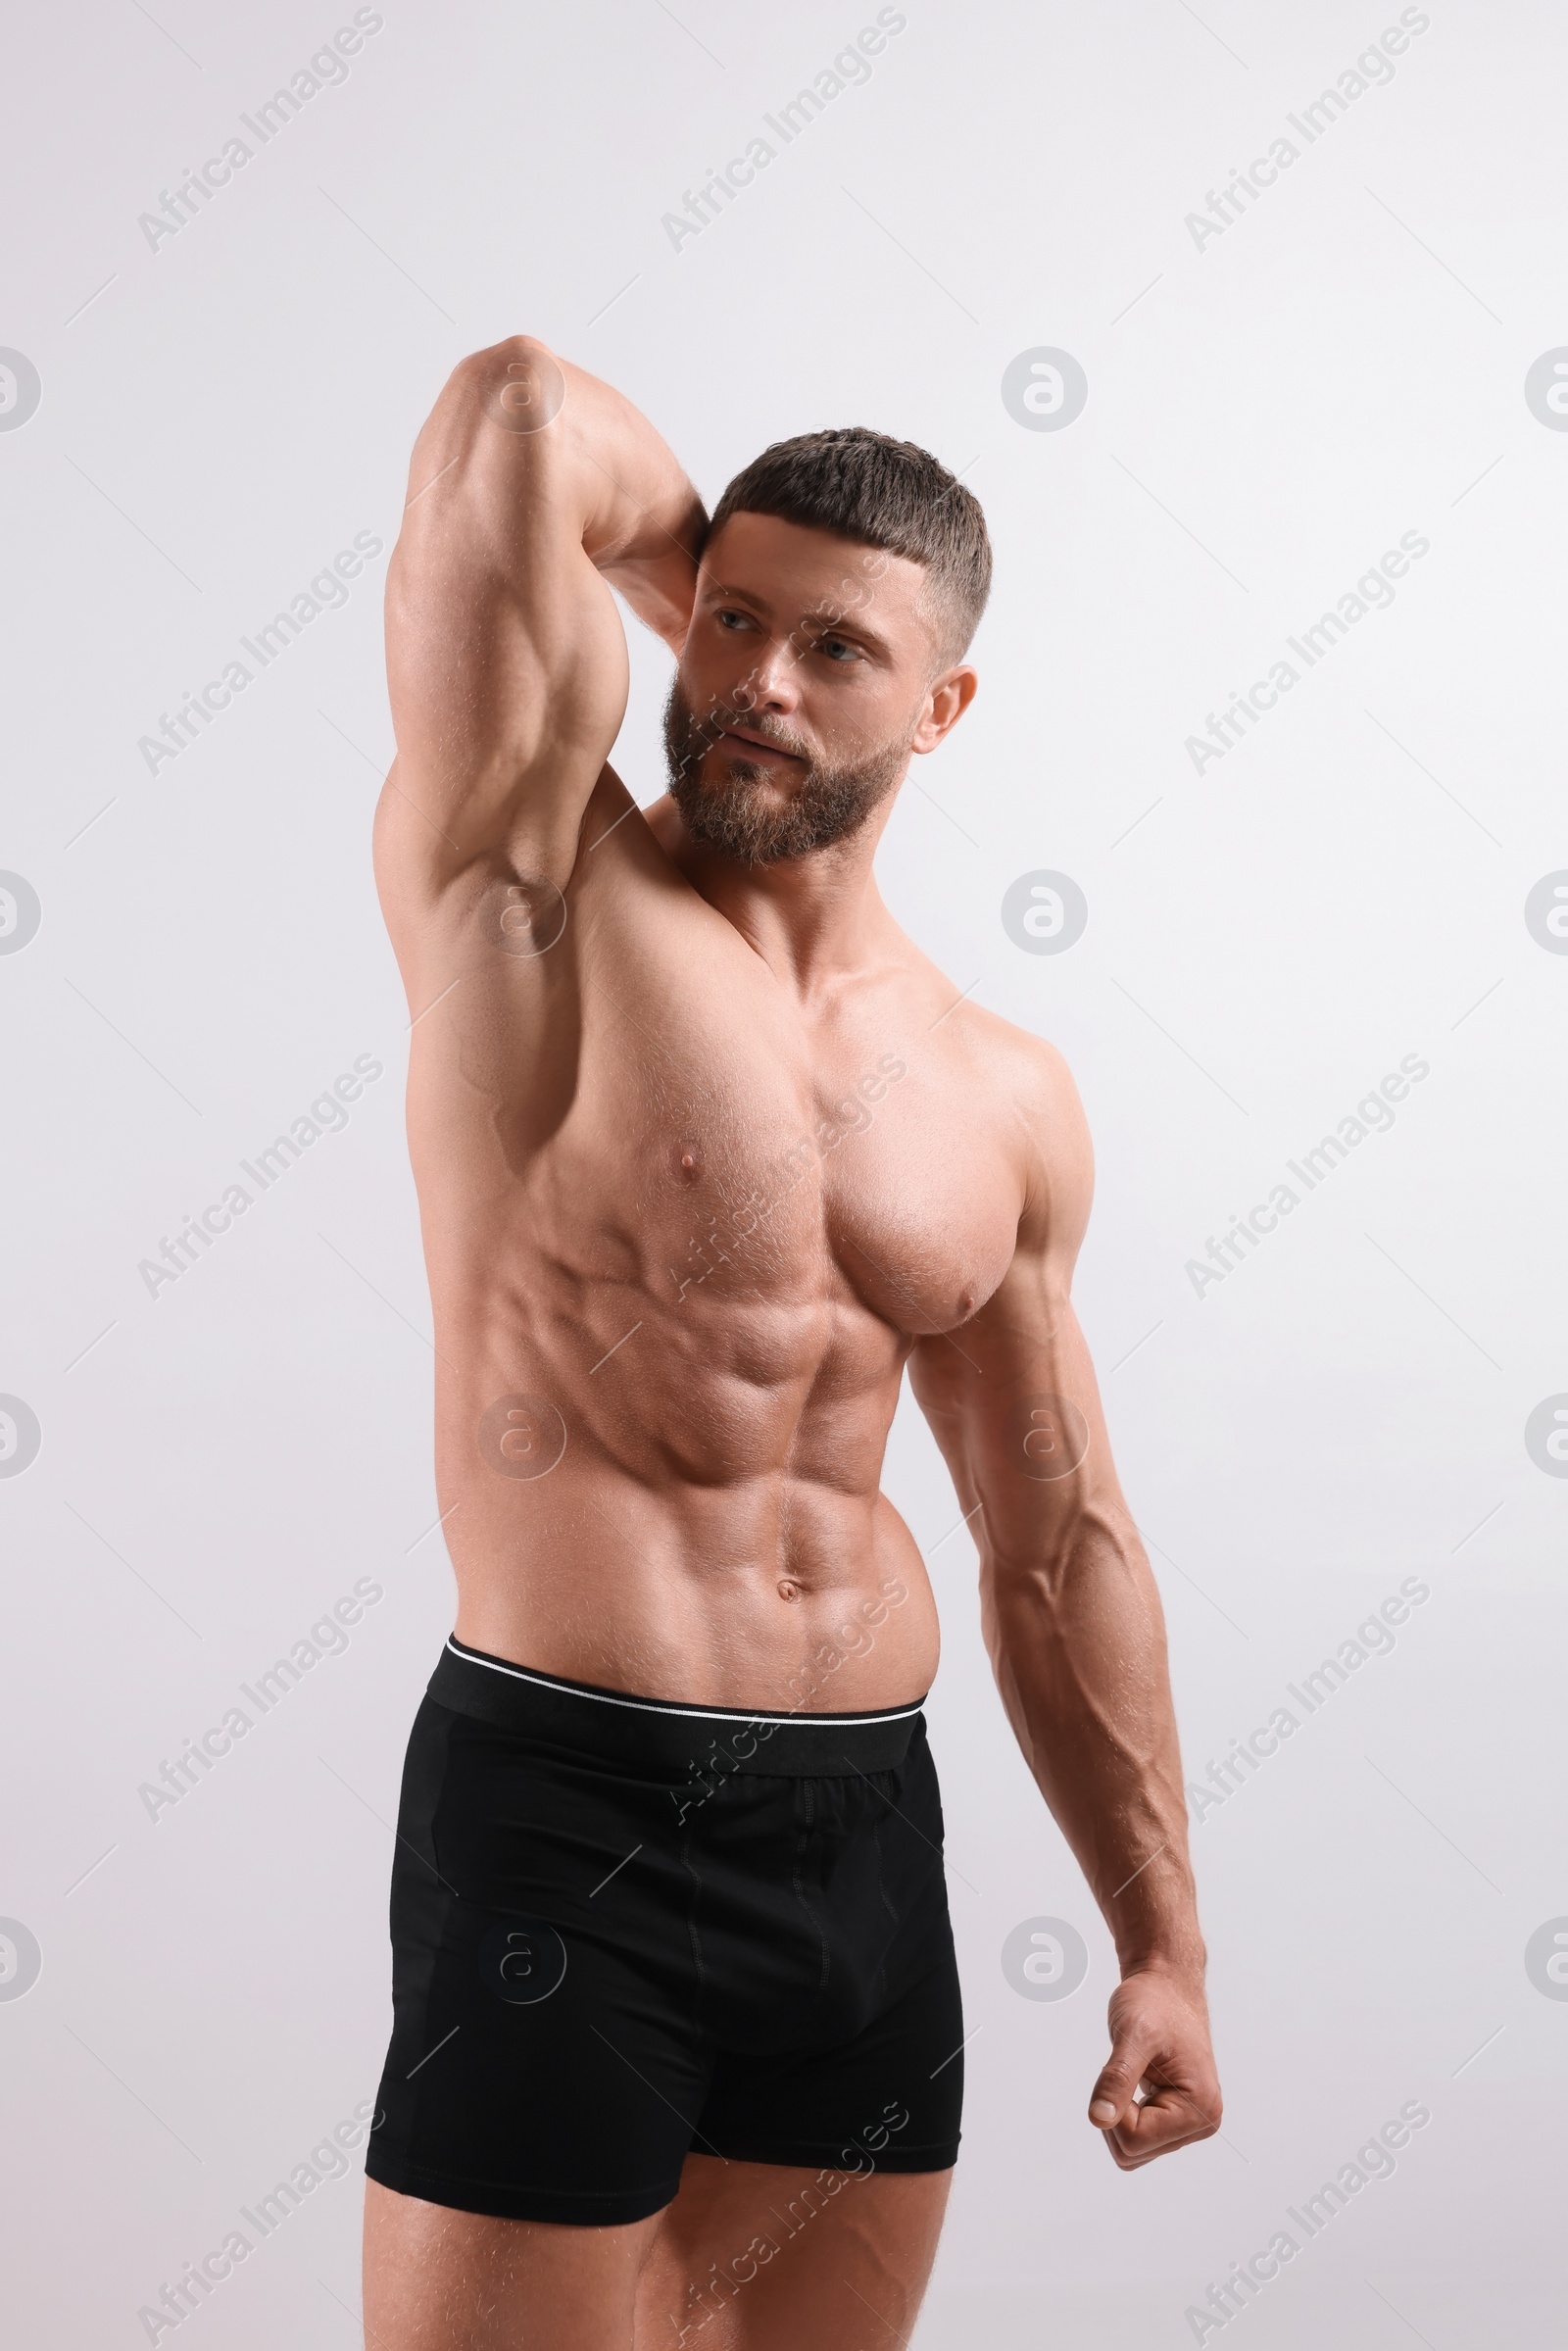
[1181,1963]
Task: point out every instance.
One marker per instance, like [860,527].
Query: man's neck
[815,920]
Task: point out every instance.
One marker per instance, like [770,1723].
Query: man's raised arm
[1073,1625]
[532,486]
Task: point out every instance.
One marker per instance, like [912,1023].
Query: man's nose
[771,682]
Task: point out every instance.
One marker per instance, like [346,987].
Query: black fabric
[647,1733]
[602,1962]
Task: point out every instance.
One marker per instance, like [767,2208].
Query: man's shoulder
[1017,1063]
[1012,1083]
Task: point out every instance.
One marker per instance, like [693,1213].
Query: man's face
[809,675]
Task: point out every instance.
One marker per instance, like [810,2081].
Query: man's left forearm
[1077,1643]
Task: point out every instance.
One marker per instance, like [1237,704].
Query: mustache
[722,717]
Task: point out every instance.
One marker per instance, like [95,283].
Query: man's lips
[749,742]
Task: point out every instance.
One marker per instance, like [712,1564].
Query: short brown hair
[888,494]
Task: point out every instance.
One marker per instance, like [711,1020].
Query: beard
[742,816]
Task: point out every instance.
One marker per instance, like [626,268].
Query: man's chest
[783,1163]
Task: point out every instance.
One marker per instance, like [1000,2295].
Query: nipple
[688,1161]
[788,1589]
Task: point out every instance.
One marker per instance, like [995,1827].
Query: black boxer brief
[625,1929]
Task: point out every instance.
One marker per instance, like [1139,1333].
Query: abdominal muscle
[769,1587]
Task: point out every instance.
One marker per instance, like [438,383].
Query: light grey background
[1267,412]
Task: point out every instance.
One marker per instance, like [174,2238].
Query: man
[707,1152]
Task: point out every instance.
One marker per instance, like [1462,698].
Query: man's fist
[1160,2045]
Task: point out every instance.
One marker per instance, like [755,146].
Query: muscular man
[707,1153]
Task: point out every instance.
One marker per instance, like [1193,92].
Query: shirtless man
[706,1153]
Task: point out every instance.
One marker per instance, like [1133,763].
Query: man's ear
[949,698]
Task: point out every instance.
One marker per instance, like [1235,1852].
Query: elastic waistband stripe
[712,1714]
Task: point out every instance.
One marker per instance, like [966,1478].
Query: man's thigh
[770,2257]
[749,2256]
[436,2279]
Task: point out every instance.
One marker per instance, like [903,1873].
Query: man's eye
[838,649]
[727,619]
